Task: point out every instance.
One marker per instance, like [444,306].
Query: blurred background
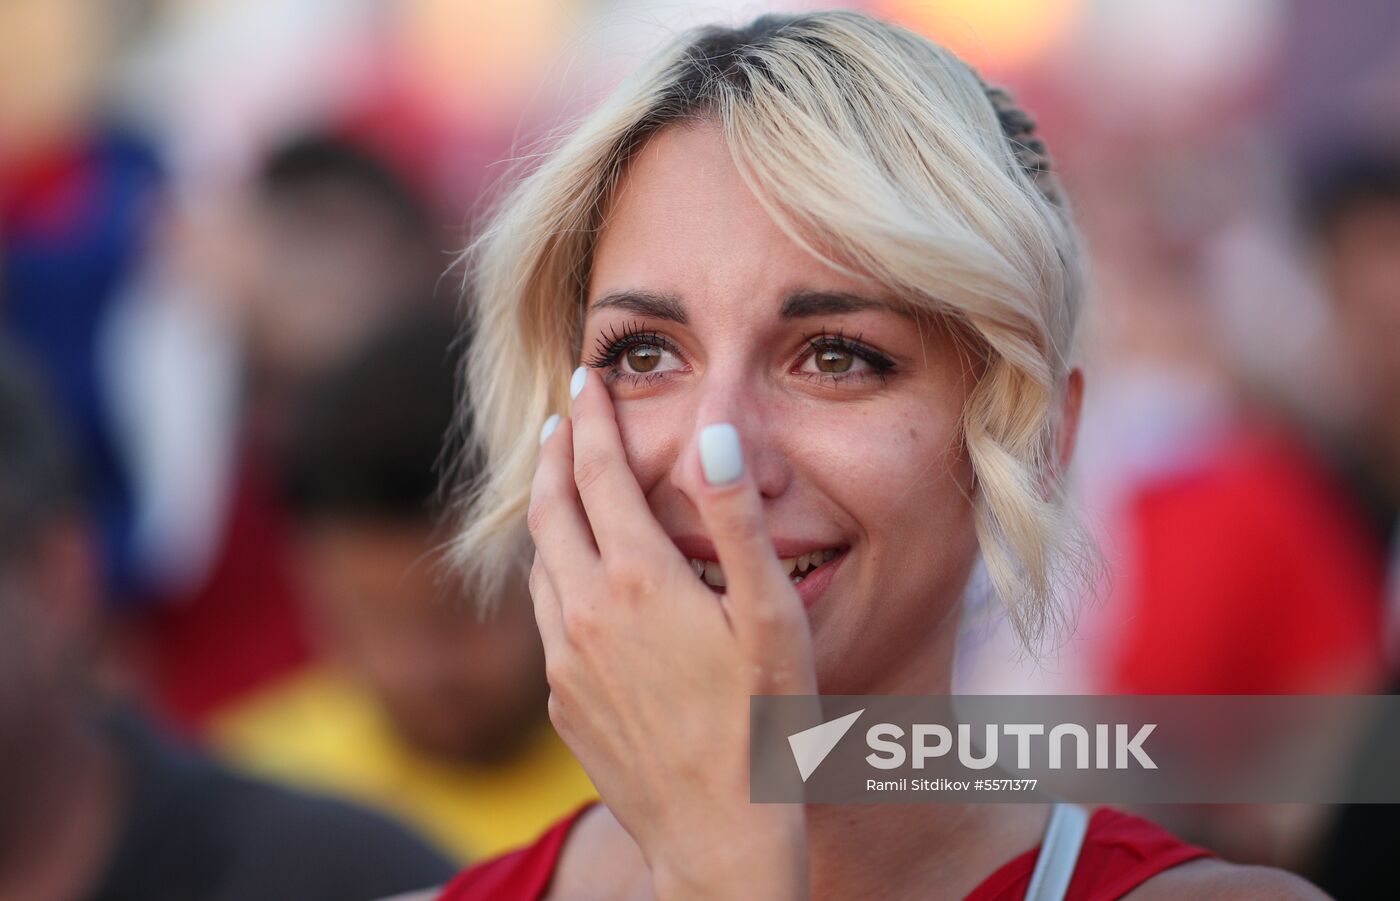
[228,329]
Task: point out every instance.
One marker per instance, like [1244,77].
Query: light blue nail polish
[721,457]
[576,383]
[548,428]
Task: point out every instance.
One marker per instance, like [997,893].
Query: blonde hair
[876,150]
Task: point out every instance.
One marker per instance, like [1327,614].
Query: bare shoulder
[599,860]
[1212,879]
[590,840]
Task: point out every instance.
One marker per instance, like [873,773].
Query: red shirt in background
[243,628]
[1249,574]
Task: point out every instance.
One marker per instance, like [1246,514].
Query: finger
[548,616]
[758,592]
[555,520]
[617,511]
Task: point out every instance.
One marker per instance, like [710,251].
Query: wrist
[765,860]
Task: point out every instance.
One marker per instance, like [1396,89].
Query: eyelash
[609,349]
[880,365]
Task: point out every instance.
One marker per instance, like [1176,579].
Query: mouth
[799,568]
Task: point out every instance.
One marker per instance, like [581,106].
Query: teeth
[797,567]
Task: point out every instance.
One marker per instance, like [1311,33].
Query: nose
[732,399]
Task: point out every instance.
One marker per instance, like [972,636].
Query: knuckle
[557,715]
[589,470]
[742,524]
[629,579]
[539,579]
[556,673]
[767,619]
[765,614]
[562,672]
[580,624]
[537,514]
[773,617]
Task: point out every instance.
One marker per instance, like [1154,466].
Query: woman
[823,289]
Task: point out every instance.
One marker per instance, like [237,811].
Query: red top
[1249,574]
[1120,852]
[244,628]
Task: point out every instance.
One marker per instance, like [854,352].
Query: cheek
[892,466]
[901,475]
[654,433]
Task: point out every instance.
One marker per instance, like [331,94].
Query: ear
[1067,435]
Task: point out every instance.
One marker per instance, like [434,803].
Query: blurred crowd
[232,660]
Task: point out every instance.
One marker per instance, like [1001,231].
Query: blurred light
[51,55]
[482,57]
[1150,58]
[222,79]
[988,34]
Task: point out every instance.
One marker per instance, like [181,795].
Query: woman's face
[700,311]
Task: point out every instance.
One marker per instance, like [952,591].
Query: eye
[643,358]
[632,353]
[833,360]
[836,358]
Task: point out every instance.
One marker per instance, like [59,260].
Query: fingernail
[721,458]
[548,428]
[576,383]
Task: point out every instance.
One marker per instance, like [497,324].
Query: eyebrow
[645,303]
[801,304]
[798,305]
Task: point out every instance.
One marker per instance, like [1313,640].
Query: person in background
[79,181]
[340,242]
[94,803]
[1238,562]
[334,240]
[1354,214]
[417,705]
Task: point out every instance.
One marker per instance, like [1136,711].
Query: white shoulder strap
[1059,852]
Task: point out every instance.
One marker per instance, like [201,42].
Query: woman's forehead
[683,192]
[683,224]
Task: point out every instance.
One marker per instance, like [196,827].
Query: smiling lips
[798,568]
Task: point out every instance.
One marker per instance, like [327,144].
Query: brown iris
[643,357]
[834,360]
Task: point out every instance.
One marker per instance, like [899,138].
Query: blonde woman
[821,291]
